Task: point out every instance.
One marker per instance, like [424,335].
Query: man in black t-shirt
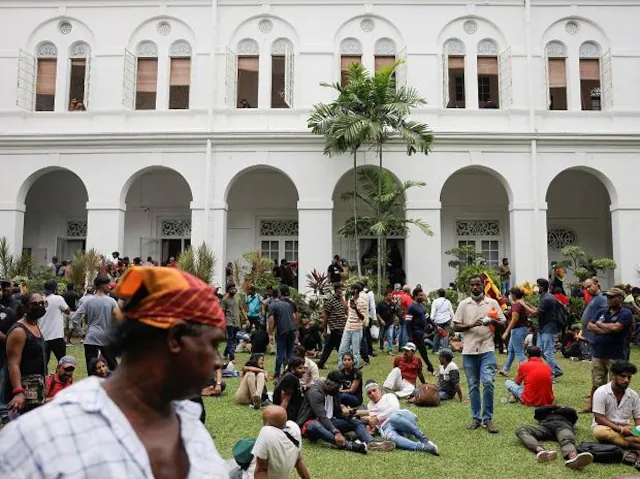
[288,392]
[387,310]
[334,270]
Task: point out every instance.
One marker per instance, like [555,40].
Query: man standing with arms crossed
[479,351]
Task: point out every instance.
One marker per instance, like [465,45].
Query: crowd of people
[150,338]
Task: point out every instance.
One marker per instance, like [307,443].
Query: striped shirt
[336,312]
[354,323]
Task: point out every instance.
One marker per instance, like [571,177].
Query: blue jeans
[315,430]
[401,425]
[444,396]
[505,286]
[387,332]
[230,349]
[350,400]
[514,388]
[403,335]
[284,349]
[546,343]
[480,368]
[516,347]
[350,343]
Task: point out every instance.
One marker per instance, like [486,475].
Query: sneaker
[579,461]
[491,427]
[256,402]
[502,373]
[384,446]
[475,424]
[546,456]
[358,447]
[431,448]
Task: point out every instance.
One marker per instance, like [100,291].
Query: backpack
[563,318]
[602,453]
[254,304]
[428,396]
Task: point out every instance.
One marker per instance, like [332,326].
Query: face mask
[478,297]
[36,312]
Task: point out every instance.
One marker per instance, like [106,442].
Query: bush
[452,295]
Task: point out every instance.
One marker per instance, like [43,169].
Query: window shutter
[248,64]
[590,69]
[26,80]
[456,63]
[346,60]
[147,75]
[506,90]
[87,78]
[180,72]
[557,73]
[383,61]
[445,80]
[402,68]
[231,79]
[129,79]
[607,81]
[46,84]
[487,66]
[289,72]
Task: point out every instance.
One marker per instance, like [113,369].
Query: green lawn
[464,454]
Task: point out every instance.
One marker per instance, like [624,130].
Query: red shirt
[405,302]
[538,383]
[409,369]
[54,385]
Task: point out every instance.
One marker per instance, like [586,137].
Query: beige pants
[608,435]
[252,385]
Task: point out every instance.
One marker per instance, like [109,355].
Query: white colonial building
[145,126]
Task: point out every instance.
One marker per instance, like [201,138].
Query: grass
[464,454]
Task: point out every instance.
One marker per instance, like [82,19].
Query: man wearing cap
[101,310]
[610,331]
[136,423]
[62,378]
[52,323]
[407,368]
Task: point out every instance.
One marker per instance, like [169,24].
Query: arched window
[180,75]
[147,76]
[79,69]
[247,75]
[385,53]
[282,73]
[488,75]
[556,62]
[453,69]
[590,87]
[350,52]
[46,68]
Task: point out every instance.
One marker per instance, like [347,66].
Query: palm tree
[383,194]
[371,110]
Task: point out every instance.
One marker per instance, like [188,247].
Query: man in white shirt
[311,372]
[53,322]
[614,405]
[278,447]
[442,315]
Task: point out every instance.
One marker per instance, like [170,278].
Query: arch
[590,49]
[487,47]
[573,31]
[385,46]
[147,49]
[349,173]
[603,178]
[350,46]
[53,28]
[180,48]
[138,174]
[80,49]
[281,46]
[248,47]
[369,24]
[455,47]
[556,49]
[264,27]
[254,168]
[26,185]
[163,30]
[484,169]
[468,26]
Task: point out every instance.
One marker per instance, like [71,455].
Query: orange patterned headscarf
[160,297]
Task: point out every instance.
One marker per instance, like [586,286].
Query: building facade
[147,126]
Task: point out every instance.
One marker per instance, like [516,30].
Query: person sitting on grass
[253,385]
[323,417]
[215,387]
[554,423]
[309,337]
[62,378]
[396,425]
[407,368]
[311,373]
[448,376]
[98,367]
[288,392]
[259,340]
[534,383]
[571,344]
[614,404]
[351,388]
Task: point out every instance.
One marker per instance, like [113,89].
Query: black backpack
[563,318]
[602,453]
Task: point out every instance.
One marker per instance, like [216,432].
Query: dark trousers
[418,340]
[366,348]
[332,342]
[92,351]
[284,350]
[230,349]
[531,434]
[57,346]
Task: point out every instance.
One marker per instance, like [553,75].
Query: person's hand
[626,431]
[476,323]
[373,421]
[504,336]
[17,403]
[217,390]
[340,440]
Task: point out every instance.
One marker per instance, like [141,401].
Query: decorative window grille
[175,229]
[558,238]
[279,228]
[477,228]
[76,229]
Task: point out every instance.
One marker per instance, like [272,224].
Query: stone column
[625,226]
[315,237]
[423,254]
[12,225]
[528,234]
[217,232]
[105,226]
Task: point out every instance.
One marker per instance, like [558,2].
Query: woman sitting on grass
[253,386]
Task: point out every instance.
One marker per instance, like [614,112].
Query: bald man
[278,447]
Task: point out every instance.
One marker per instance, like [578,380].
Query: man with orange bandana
[136,423]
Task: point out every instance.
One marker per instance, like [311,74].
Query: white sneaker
[546,456]
[579,461]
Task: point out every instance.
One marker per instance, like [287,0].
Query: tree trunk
[355,211]
[380,252]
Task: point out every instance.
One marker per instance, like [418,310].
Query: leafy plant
[317,282]
[464,256]
[85,265]
[12,266]
[469,262]
[199,261]
[584,265]
[256,270]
